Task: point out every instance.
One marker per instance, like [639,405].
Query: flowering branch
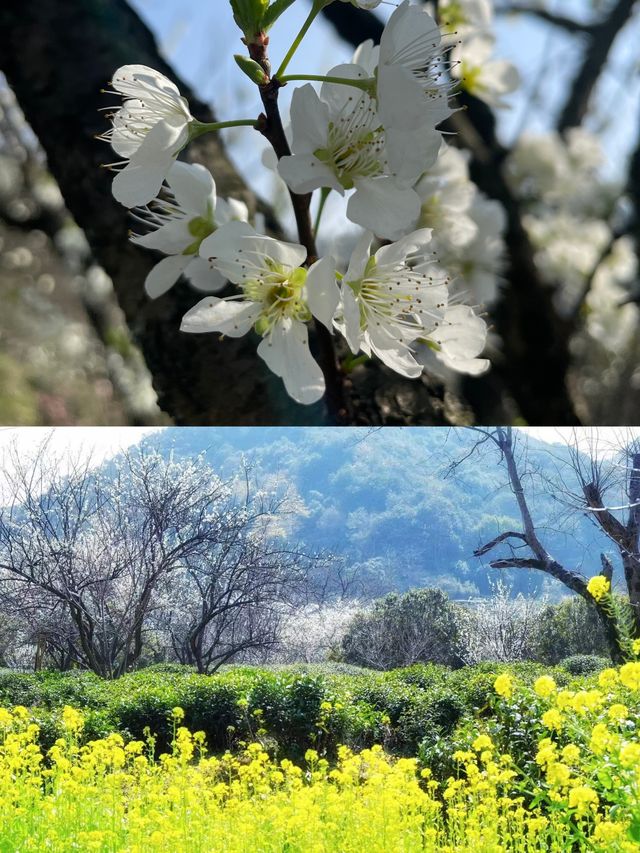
[270,125]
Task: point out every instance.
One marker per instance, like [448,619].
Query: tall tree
[529,539]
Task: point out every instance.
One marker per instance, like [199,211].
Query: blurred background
[67,355]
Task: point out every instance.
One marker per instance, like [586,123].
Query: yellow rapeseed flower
[630,675]
[552,719]
[503,685]
[618,712]
[630,755]
[608,678]
[544,686]
[482,742]
[598,587]
[583,799]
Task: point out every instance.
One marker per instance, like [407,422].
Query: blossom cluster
[371,131]
[573,217]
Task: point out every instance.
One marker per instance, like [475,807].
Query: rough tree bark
[57,61]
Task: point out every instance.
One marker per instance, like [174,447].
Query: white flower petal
[392,352]
[359,257]
[339,97]
[351,318]
[202,277]
[171,238]
[236,250]
[395,253]
[401,99]
[382,207]
[128,80]
[407,26]
[142,177]
[309,121]
[165,274]
[411,152]
[123,140]
[230,317]
[322,290]
[367,56]
[286,353]
[304,173]
[193,187]
[228,209]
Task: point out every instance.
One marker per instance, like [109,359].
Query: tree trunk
[57,58]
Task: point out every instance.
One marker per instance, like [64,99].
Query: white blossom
[177,225]
[446,194]
[412,87]
[277,298]
[338,142]
[149,131]
[391,299]
[364,4]
[463,17]
[488,79]
[459,339]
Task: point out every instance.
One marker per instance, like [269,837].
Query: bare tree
[526,549]
[98,544]
[237,595]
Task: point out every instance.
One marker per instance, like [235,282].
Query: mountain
[388,501]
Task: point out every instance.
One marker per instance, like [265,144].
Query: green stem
[197,128]
[365,85]
[324,195]
[317,7]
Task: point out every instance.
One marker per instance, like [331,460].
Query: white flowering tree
[90,550]
[459,235]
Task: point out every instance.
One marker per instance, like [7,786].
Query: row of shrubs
[290,709]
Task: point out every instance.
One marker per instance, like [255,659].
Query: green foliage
[289,709]
[584,664]
[566,629]
[400,630]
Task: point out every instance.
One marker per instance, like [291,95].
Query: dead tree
[536,556]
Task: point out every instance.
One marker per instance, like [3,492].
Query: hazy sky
[104,442]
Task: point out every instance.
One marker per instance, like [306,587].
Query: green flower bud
[252,69]
[248,15]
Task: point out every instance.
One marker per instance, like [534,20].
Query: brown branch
[614,529]
[270,125]
[601,39]
[509,534]
[570,25]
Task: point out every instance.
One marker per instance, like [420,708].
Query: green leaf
[634,829]
[249,15]
[274,11]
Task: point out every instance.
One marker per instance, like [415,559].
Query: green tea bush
[290,709]
[584,664]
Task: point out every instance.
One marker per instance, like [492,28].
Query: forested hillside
[387,501]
